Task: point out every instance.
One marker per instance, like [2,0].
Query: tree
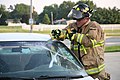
[58,11]
[65,8]
[3,15]
[22,12]
[46,19]
[107,16]
[47,10]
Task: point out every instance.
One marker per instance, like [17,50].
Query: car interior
[18,61]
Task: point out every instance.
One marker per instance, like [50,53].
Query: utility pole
[0,15]
[52,18]
[31,18]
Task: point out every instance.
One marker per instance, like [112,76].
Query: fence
[110,26]
[43,27]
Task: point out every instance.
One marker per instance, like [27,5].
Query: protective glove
[55,33]
[70,33]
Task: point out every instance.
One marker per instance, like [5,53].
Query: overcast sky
[39,4]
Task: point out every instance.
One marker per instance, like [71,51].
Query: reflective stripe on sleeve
[101,43]
[96,70]
[94,42]
[79,38]
[73,37]
[81,48]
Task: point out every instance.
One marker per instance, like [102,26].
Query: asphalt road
[112,61]
[112,40]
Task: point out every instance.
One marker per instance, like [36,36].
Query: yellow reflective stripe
[96,70]
[73,36]
[79,38]
[94,42]
[101,43]
[84,49]
[67,36]
[87,34]
[98,45]
[75,47]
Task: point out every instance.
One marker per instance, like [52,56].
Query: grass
[11,29]
[112,49]
[6,29]
[112,32]
[43,32]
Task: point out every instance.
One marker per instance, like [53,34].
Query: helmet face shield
[75,14]
[80,11]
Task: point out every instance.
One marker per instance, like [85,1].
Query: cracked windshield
[36,56]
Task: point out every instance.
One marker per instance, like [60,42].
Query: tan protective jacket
[91,39]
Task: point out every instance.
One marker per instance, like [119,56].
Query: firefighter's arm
[88,40]
[65,33]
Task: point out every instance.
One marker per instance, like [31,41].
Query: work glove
[55,34]
[70,33]
[59,34]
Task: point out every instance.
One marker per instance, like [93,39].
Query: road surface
[112,40]
[112,61]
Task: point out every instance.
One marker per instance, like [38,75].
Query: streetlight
[31,19]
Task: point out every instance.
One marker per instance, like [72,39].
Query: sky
[39,4]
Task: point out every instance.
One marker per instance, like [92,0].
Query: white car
[33,56]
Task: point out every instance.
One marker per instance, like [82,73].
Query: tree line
[22,11]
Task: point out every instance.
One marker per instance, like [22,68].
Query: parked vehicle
[25,56]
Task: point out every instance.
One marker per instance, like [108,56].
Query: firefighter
[87,41]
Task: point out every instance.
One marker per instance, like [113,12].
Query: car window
[21,57]
[63,52]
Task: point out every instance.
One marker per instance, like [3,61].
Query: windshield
[35,59]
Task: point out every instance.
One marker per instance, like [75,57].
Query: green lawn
[11,29]
[112,49]
[112,32]
[6,29]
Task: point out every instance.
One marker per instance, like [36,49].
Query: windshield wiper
[66,77]
[14,78]
[42,77]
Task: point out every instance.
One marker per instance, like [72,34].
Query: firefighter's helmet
[79,11]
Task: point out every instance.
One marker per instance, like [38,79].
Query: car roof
[24,37]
